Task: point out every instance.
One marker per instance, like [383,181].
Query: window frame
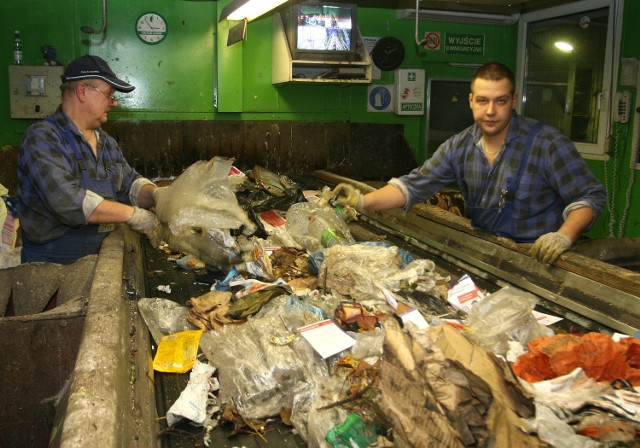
[598,150]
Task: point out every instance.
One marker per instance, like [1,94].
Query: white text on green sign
[411,107]
[464,44]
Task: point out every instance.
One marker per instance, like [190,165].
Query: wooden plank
[599,271]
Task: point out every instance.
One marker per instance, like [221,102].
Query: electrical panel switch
[34,90]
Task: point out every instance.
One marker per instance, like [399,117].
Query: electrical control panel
[34,90]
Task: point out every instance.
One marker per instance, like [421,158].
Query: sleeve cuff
[403,189]
[136,187]
[574,206]
[90,203]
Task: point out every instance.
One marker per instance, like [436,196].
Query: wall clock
[151,28]
[388,53]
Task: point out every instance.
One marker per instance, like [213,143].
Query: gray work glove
[550,246]
[143,221]
[346,194]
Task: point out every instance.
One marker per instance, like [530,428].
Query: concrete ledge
[99,397]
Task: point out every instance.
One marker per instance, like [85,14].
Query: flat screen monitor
[321,30]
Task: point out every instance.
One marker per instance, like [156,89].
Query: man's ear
[81,91]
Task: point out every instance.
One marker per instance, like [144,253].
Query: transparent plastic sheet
[203,198]
[261,377]
[280,237]
[298,217]
[301,311]
[317,258]
[368,343]
[164,316]
[320,421]
[506,315]
[245,379]
[355,270]
[417,271]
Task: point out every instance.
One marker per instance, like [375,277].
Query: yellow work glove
[346,194]
[550,246]
[143,221]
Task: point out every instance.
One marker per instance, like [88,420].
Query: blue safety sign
[380,98]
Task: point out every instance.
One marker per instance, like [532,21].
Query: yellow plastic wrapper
[177,352]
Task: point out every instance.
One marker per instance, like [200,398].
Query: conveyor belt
[456,249]
[184,286]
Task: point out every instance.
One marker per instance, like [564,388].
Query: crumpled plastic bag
[555,432]
[259,374]
[355,269]
[192,402]
[163,316]
[597,354]
[506,315]
[199,210]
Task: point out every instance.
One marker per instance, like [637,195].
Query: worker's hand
[550,246]
[346,194]
[143,221]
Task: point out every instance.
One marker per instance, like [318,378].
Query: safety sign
[432,40]
[380,99]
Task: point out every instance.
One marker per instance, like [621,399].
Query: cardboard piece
[439,389]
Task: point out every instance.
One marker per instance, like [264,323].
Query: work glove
[143,221]
[346,194]
[550,246]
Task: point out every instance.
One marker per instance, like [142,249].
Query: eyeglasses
[111,98]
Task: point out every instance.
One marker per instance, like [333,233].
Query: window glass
[565,74]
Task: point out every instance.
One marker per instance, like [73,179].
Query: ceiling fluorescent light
[248,9]
[456,16]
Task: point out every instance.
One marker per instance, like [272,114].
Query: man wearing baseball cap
[73,180]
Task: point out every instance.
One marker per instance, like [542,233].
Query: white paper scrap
[326,337]
[545,319]
[464,293]
[415,317]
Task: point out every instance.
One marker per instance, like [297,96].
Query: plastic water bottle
[313,228]
[17,48]
[324,232]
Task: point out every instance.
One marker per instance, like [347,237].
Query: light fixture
[565,47]
[248,9]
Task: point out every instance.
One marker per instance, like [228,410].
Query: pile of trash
[331,335]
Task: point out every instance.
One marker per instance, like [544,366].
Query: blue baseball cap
[94,67]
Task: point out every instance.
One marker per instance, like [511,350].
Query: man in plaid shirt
[520,178]
[74,182]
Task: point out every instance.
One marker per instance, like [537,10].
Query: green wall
[175,79]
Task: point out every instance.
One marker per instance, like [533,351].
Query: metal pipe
[89,30]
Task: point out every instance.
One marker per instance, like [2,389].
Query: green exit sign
[464,44]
